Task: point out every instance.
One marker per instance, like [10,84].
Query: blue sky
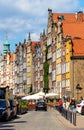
[19,17]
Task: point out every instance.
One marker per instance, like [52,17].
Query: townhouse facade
[7,72]
[23,68]
[67,28]
[29,64]
[27,73]
[51,56]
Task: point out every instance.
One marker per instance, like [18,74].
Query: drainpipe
[72,77]
[61,73]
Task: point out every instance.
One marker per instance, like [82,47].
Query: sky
[19,17]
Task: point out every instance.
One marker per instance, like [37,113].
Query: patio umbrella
[40,93]
[31,97]
[51,95]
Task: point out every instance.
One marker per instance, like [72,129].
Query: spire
[44,32]
[6,45]
[29,37]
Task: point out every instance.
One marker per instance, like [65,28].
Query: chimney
[79,16]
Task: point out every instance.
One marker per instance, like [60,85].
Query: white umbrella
[31,97]
[40,93]
[51,95]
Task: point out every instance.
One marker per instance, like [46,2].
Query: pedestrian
[17,104]
[64,104]
[67,104]
[72,105]
[60,105]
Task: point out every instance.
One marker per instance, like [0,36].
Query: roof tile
[71,26]
[78,47]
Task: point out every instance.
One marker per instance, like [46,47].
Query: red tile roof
[78,47]
[33,44]
[12,56]
[70,25]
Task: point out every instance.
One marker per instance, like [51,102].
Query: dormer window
[61,17]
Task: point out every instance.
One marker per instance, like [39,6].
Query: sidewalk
[67,124]
[80,121]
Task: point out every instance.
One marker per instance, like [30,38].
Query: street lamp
[78,88]
[45,90]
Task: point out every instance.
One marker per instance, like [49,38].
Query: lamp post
[45,90]
[78,88]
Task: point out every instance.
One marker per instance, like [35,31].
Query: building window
[63,83]
[41,67]
[63,68]
[24,76]
[20,73]
[58,53]
[68,67]
[38,75]
[53,75]
[54,57]
[28,80]
[67,51]
[58,84]
[24,65]
[63,53]
[21,68]
[24,55]
[28,60]
[28,69]
[58,68]
[67,82]
[20,81]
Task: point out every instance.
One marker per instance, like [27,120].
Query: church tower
[6,46]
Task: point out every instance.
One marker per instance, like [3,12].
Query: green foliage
[23,104]
[46,71]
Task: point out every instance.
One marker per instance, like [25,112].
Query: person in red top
[60,105]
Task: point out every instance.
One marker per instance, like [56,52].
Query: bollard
[66,114]
[74,118]
[70,117]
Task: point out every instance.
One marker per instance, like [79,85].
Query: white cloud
[39,7]
[34,36]
[15,24]
[22,16]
